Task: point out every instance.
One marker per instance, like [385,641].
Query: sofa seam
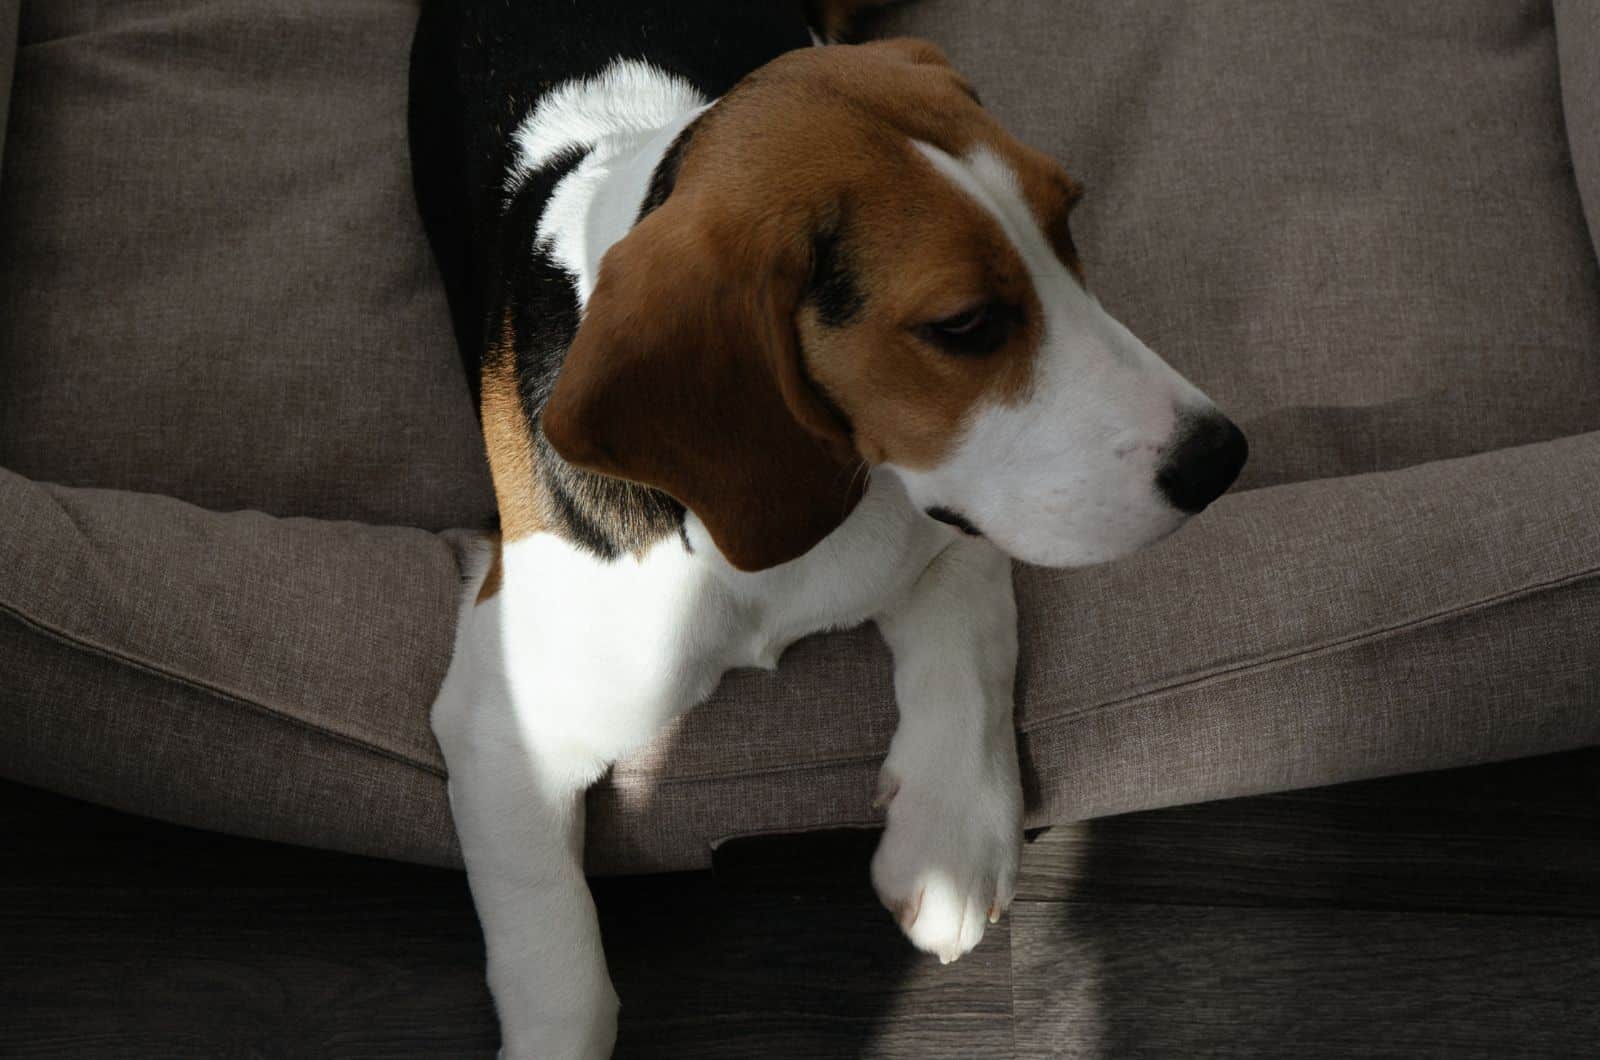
[1198,680]
[121,658]
[1204,678]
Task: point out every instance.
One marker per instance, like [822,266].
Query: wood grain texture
[187,944]
[1130,981]
[1517,837]
[126,938]
[1449,914]
[717,970]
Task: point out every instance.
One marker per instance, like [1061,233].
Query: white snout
[1071,475]
[1109,449]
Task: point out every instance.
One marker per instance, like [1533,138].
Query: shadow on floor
[785,952]
[1449,914]
[131,938]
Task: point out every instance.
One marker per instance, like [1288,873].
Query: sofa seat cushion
[1297,635]
[233,671]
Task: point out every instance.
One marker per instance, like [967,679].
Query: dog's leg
[947,862]
[520,819]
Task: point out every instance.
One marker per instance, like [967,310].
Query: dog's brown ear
[686,375]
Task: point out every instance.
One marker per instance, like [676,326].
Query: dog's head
[857,264]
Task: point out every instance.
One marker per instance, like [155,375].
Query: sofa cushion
[1354,224]
[208,226]
[1578,32]
[272,677]
[212,281]
[1293,636]
[242,672]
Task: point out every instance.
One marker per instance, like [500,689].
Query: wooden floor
[1452,914]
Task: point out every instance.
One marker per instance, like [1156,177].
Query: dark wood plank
[1518,837]
[127,938]
[72,843]
[1131,981]
[787,953]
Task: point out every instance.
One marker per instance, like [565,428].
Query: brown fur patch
[917,259]
[508,437]
[494,575]
[685,376]
[920,249]
[1051,194]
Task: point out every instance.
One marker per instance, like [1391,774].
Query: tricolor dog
[774,338]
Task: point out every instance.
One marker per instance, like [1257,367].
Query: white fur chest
[612,649]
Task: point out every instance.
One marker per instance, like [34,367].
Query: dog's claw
[948,856]
[908,913]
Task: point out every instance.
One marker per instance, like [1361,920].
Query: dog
[770,338]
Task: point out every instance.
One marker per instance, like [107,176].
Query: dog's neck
[622,122]
[580,168]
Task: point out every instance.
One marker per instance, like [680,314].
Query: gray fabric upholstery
[1355,224]
[1578,31]
[269,676]
[1352,223]
[213,286]
[1414,619]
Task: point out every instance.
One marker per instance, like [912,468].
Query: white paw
[556,1009]
[947,864]
[581,1035]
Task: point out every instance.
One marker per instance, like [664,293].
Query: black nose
[1202,465]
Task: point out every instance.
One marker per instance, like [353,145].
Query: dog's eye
[963,323]
[979,330]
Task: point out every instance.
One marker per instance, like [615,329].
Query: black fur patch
[832,288]
[955,519]
[604,515]
[665,176]
[478,68]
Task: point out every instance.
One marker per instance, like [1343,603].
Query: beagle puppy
[771,338]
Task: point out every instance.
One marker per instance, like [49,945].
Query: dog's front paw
[947,863]
[561,1020]
[577,1036]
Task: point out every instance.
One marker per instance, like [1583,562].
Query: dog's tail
[845,21]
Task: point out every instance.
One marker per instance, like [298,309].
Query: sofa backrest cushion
[1353,224]
[213,280]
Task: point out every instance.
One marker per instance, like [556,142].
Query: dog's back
[480,67]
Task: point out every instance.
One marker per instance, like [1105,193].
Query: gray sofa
[236,440]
